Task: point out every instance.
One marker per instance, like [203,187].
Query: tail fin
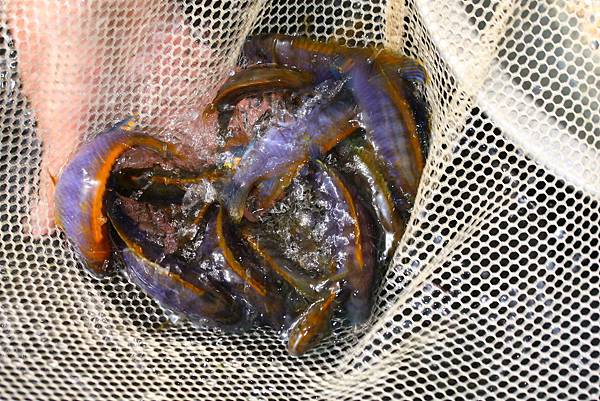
[235,200]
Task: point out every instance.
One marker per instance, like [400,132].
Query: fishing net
[493,292]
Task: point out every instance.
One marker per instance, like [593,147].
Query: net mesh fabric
[493,292]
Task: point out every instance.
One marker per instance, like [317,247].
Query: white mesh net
[493,292]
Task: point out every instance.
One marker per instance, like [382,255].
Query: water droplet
[522,199]
[595,44]
[173,317]
[540,284]
[437,239]
[561,233]
[415,264]
[426,299]
[504,298]
[427,311]
[416,305]
[484,299]
[536,89]
[550,265]
[407,324]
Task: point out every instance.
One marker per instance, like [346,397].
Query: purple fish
[224,259]
[174,282]
[288,145]
[79,194]
[325,60]
[390,125]
[352,235]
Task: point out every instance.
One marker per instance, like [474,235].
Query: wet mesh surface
[493,293]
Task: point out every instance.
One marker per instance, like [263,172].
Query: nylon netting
[493,293]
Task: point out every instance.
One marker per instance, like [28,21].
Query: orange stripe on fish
[353,214]
[233,263]
[406,114]
[99,233]
[177,278]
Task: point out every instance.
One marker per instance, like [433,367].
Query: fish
[159,186]
[326,60]
[175,283]
[390,126]
[142,185]
[266,248]
[353,236]
[254,81]
[224,258]
[271,190]
[79,192]
[287,146]
[313,324]
[358,162]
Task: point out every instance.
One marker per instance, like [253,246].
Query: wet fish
[326,60]
[225,259]
[365,171]
[288,145]
[390,125]
[323,60]
[80,189]
[172,281]
[313,324]
[353,236]
[159,186]
[254,81]
[265,247]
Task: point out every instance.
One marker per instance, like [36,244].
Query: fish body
[79,193]
[359,163]
[289,145]
[225,259]
[326,60]
[390,126]
[352,234]
[313,324]
[323,60]
[267,250]
[175,283]
[255,81]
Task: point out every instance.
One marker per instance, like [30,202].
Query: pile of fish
[292,225]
